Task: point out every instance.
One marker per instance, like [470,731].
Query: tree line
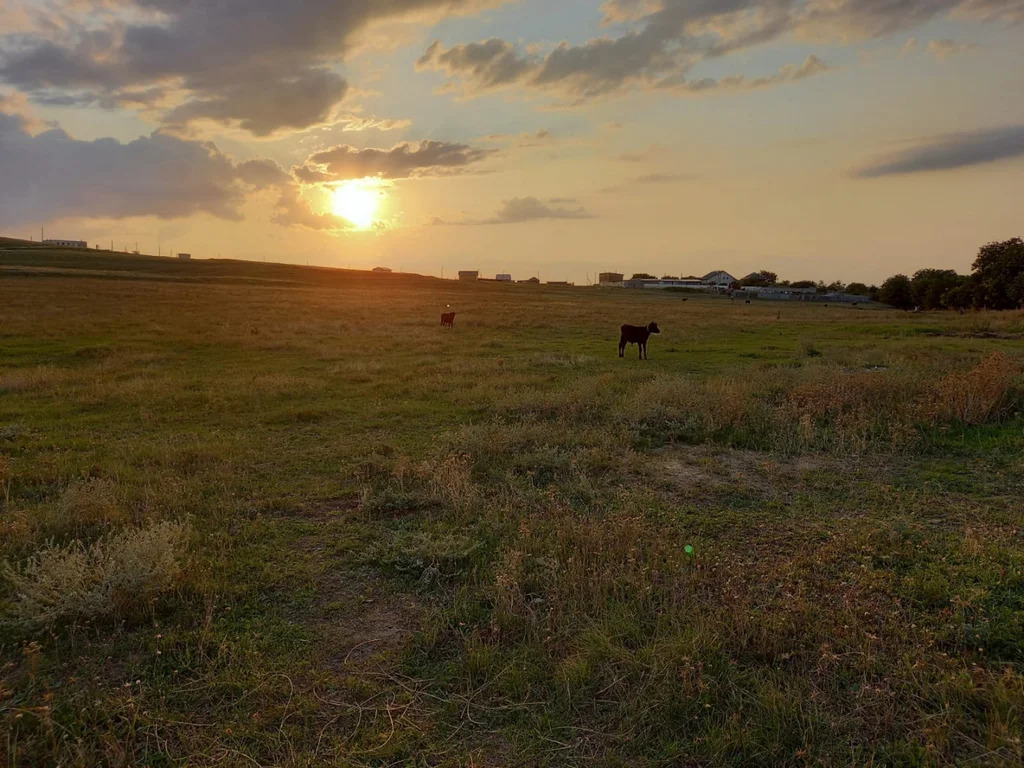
[996,281]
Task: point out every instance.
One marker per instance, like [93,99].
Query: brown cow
[637,334]
[448,320]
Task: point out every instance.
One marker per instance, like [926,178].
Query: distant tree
[784,283]
[669,277]
[873,292]
[836,286]
[961,295]
[928,286]
[643,276]
[857,289]
[896,292]
[764,277]
[999,270]
[804,284]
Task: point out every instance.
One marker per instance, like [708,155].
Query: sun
[357,202]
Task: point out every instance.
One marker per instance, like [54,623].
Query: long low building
[67,243]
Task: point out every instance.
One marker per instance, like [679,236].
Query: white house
[67,243]
[718,279]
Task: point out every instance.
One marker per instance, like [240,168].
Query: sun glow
[357,202]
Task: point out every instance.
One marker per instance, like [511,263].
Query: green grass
[412,546]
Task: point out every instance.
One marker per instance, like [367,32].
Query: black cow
[637,334]
[448,320]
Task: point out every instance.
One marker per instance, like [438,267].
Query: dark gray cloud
[158,175]
[956,151]
[217,58]
[427,158]
[265,106]
[662,42]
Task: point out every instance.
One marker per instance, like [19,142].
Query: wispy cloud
[958,150]
[519,210]
[942,49]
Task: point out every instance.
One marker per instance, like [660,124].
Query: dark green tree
[858,289]
[928,286]
[643,276]
[999,269]
[896,292]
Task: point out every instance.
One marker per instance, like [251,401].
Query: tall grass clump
[978,395]
[119,574]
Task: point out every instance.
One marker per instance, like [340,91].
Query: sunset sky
[824,139]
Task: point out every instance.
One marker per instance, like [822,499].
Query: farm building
[67,243]
[531,280]
[780,293]
[469,274]
[669,283]
[718,279]
[503,278]
[610,278]
[185,256]
[382,269]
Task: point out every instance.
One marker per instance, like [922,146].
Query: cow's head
[653,328]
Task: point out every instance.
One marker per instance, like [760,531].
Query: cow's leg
[639,350]
[622,346]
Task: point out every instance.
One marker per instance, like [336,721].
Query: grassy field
[262,515]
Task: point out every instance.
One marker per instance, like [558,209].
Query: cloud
[158,175]
[264,65]
[520,210]
[664,41]
[948,152]
[662,178]
[264,106]
[406,160]
[942,49]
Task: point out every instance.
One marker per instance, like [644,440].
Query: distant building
[558,282]
[503,278]
[718,279]
[693,283]
[610,278]
[781,293]
[67,243]
[469,274]
[185,256]
[382,269]
[532,281]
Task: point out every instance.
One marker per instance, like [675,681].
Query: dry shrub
[978,395]
[92,501]
[118,574]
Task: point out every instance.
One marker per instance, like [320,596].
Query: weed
[117,574]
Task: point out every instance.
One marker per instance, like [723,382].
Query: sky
[821,139]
